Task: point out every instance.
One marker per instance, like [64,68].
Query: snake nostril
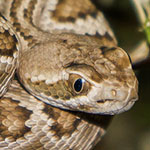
[114,92]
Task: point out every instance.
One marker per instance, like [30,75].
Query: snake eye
[78,85]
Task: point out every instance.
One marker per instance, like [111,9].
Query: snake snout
[114,98]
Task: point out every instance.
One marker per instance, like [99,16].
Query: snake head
[80,75]
[108,87]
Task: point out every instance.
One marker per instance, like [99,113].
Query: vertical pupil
[78,85]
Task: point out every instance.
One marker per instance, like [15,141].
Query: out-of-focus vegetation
[129,130]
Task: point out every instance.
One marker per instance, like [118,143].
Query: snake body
[70,73]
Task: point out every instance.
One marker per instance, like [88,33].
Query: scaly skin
[51,44]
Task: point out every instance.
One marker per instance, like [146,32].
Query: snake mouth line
[115,109]
[105,100]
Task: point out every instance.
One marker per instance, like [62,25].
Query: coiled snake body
[69,70]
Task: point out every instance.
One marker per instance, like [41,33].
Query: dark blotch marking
[82,15]
[16,22]
[28,37]
[9,52]
[62,19]
[71,19]
[25,13]
[87,34]
[99,35]
[17,26]
[97,119]
[106,35]
[105,49]
[60,131]
[58,128]
[55,96]
[49,110]
[93,14]
[67,97]
[24,115]
[13,14]
[68,19]
[22,33]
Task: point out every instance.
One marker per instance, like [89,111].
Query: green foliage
[147,30]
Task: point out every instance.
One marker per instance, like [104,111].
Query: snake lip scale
[120,110]
[71,75]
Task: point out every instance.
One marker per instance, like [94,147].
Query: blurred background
[130,130]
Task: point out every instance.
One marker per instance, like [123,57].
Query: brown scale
[56,90]
[65,122]
[29,12]
[16,113]
[23,32]
[7,44]
[63,13]
[60,90]
[62,118]
[8,51]
[3,76]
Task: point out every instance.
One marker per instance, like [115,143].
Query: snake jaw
[114,97]
[107,73]
[111,92]
[103,101]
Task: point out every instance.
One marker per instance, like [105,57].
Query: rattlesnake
[70,75]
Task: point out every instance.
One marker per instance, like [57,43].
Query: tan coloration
[46,126]
[63,90]
[12,118]
[88,57]
[63,11]
[49,64]
[29,11]
[24,32]
[59,17]
[117,58]
[29,34]
[9,46]
[91,74]
[58,90]
[65,124]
